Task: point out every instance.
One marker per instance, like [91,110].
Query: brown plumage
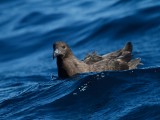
[124,54]
[68,65]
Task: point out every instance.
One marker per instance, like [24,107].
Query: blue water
[28,28]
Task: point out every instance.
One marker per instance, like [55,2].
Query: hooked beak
[56,53]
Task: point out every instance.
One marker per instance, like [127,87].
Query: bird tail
[128,47]
[134,63]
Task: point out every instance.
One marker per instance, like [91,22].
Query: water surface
[30,27]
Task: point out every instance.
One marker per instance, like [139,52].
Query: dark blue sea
[29,85]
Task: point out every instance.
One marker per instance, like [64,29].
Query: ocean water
[29,86]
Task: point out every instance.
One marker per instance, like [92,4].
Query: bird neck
[66,66]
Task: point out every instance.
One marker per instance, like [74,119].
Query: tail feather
[134,63]
[128,47]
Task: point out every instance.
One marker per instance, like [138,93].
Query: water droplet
[74,93]
[84,88]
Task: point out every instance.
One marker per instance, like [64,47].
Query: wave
[28,30]
[85,94]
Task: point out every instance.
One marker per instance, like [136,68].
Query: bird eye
[63,47]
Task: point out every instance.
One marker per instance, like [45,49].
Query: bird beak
[56,53]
